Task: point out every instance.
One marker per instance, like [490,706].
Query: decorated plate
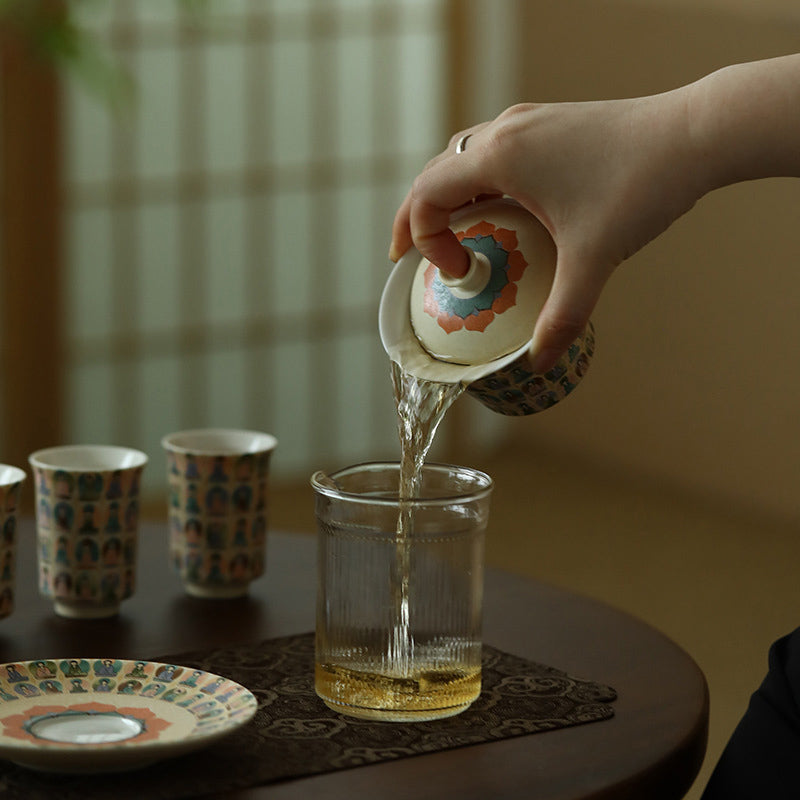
[105,715]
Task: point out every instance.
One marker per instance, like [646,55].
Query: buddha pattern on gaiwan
[218,517]
[87,541]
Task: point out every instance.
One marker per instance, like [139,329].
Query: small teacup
[87,518]
[218,508]
[11,479]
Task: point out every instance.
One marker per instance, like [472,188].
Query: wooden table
[652,748]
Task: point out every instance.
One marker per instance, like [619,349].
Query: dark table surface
[652,748]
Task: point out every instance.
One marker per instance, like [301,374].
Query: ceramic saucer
[105,715]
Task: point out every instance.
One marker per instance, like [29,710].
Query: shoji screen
[227,231]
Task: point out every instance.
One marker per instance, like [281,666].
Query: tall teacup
[11,479]
[218,508]
[87,518]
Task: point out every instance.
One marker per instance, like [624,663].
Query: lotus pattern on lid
[475,313]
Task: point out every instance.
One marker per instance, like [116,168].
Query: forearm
[745,121]
[607,177]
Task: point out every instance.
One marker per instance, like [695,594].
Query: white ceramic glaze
[87,458]
[491,311]
[477,330]
[419,318]
[401,343]
[10,476]
[218,442]
[92,715]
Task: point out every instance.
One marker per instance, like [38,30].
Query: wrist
[711,160]
[745,121]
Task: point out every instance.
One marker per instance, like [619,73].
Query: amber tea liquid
[420,695]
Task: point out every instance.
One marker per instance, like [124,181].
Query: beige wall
[696,377]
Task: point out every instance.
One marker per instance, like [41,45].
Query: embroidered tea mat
[294,734]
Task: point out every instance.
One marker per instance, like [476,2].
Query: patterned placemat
[294,734]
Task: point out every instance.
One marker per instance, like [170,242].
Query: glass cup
[400,590]
[218,508]
[87,521]
[11,479]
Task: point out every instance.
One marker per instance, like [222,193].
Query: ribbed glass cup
[400,590]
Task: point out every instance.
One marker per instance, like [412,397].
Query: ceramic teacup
[87,518]
[11,479]
[218,508]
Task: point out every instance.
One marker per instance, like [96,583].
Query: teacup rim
[264,442]
[10,475]
[88,458]
[327,484]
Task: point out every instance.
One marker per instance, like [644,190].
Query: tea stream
[421,405]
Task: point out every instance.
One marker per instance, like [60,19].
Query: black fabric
[294,734]
[762,759]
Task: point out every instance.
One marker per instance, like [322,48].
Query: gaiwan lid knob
[491,311]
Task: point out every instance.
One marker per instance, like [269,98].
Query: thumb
[576,288]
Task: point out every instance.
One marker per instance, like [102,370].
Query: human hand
[603,177]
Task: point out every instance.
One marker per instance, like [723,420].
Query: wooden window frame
[31,252]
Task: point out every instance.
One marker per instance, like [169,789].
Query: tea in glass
[399,604]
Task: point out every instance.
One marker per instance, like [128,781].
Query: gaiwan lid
[459,330]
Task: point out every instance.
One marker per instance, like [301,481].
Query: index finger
[446,186]
[401,229]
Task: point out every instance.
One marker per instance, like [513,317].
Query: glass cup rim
[324,484]
[88,458]
[259,442]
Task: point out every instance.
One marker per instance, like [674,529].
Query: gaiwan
[476,330]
